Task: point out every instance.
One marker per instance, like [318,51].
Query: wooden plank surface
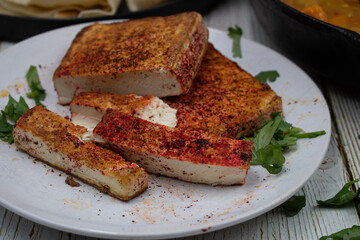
[339,166]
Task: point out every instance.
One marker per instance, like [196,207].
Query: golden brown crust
[60,135]
[227,99]
[64,136]
[129,103]
[152,44]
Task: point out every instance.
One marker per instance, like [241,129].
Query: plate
[169,208]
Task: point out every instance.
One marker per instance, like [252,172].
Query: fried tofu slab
[187,155]
[88,108]
[225,99]
[56,141]
[151,56]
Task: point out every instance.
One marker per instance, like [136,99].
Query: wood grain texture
[339,166]
[346,106]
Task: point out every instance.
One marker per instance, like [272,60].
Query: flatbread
[136,5]
[59,8]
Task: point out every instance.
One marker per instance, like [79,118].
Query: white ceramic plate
[169,208]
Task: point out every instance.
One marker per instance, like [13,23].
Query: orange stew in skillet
[342,13]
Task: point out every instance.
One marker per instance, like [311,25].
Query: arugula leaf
[235,34]
[285,142]
[270,157]
[343,197]
[309,135]
[345,234]
[5,129]
[13,111]
[267,76]
[294,205]
[263,138]
[37,91]
[272,139]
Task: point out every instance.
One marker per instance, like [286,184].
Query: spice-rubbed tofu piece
[55,140]
[230,102]
[187,155]
[88,108]
[224,100]
[152,56]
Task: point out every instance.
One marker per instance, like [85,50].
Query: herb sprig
[294,205]
[272,139]
[347,233]
[265,76]
[343,197]
[37,91]
[13,111]
[236,34]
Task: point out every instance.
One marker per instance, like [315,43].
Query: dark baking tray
[19,28]
[318,47]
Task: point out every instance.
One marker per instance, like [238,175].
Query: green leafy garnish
[13,111]
[358,136]
[265,153]
[345,234]
[310,135]
[294,205]
[5,129]
[343,197]
[272,139]
[37,91]
[235,34]
[267,76]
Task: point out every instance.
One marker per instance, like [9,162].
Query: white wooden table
[340,165]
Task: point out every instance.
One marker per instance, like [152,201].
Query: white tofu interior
[157,112]
[158,83]
[184,170]
[39,149]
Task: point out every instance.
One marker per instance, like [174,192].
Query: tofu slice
[88,108]
[187,155]
[152,56]
[55,140]
[228,100]
[224,100]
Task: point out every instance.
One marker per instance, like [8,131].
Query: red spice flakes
[206,229]
[126,131]
[226,100]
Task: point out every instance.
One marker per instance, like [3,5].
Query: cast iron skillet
[330,51]
[19,28]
